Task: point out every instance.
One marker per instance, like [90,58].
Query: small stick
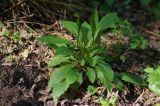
[28,22]
[152,33]
[139,97]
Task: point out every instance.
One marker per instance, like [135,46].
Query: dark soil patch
[22,80]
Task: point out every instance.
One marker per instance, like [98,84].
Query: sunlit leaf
[108,21]
[59,89]
[64,51]
[72,27]
[72,76]
[61,79]
[52,39]
[57,60]
[59,75]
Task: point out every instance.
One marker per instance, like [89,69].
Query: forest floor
[24,72]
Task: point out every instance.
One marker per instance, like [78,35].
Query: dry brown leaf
[25,53]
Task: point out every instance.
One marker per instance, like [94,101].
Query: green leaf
[134,45]
[107,69]
[91,90]
[91,74]
[95,18]
[59,89]
[61,79]
[94,25]
[144,43]
[123,58]
[80,79]
[58,60]
[158,69]
[5,33]
[54,40]
[72,76]
[153,76]
[149,70]
[94,60]
[78,82]
[103,79]
[82,62]
[58,75]
[72,27]
[51,45]
[132,78]
[108,21]
[154,88]
[117,82]
[86,32]
[137,40]
[64,51]
[105,75]
[85,28]
[16,36]
[94,21]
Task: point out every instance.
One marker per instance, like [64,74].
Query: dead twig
[27,22]
[151,33]
[139,97]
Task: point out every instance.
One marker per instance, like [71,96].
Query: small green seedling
[15,36]
[108,102]
[153,77]
[91,90]
[11,58]
[138,41]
